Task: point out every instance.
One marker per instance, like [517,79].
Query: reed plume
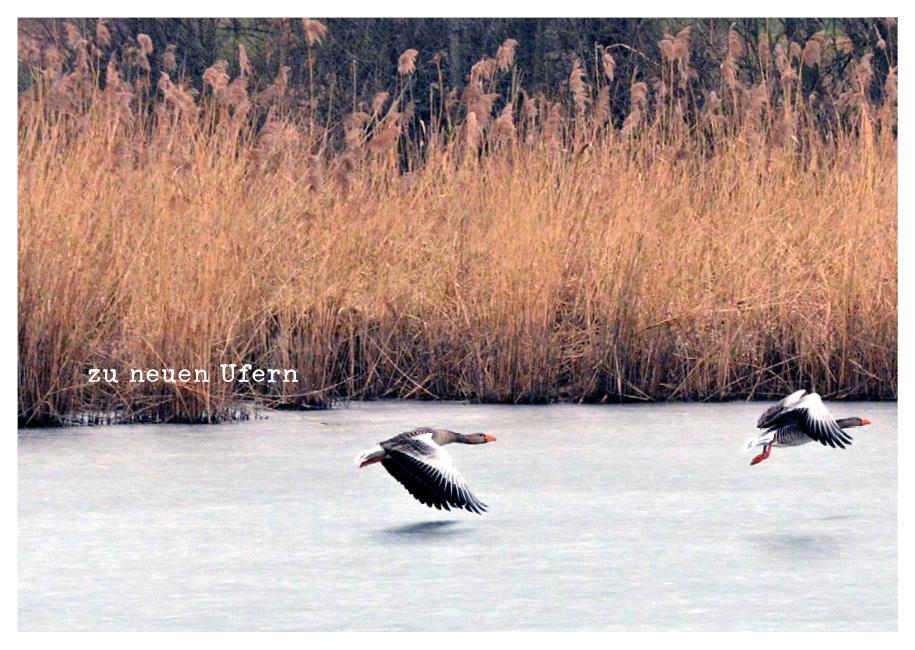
[315,31]
[406,64]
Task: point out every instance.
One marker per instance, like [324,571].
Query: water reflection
[430,529]
[799,545]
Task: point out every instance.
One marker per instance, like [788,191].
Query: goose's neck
[464,438]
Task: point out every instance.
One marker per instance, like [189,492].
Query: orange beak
[488,438]
[863,422]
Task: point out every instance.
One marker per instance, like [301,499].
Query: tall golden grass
[512,249]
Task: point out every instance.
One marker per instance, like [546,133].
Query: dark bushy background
[358,56]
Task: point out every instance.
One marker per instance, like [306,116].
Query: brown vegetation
[501,247]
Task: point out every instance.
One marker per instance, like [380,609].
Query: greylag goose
[798,419]
[419,462]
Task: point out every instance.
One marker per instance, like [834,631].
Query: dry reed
[518,262]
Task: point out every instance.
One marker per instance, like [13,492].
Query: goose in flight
[798,419]
[419,462]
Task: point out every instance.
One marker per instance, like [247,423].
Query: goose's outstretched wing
[770,415]
[810,415]
[428,473]
[819,424]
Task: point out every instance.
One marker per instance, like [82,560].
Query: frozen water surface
[601,517]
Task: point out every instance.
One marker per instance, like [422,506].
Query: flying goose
[798,419]
[419,462]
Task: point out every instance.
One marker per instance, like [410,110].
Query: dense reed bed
[507,248]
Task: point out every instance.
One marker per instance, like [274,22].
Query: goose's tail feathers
[761,440]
